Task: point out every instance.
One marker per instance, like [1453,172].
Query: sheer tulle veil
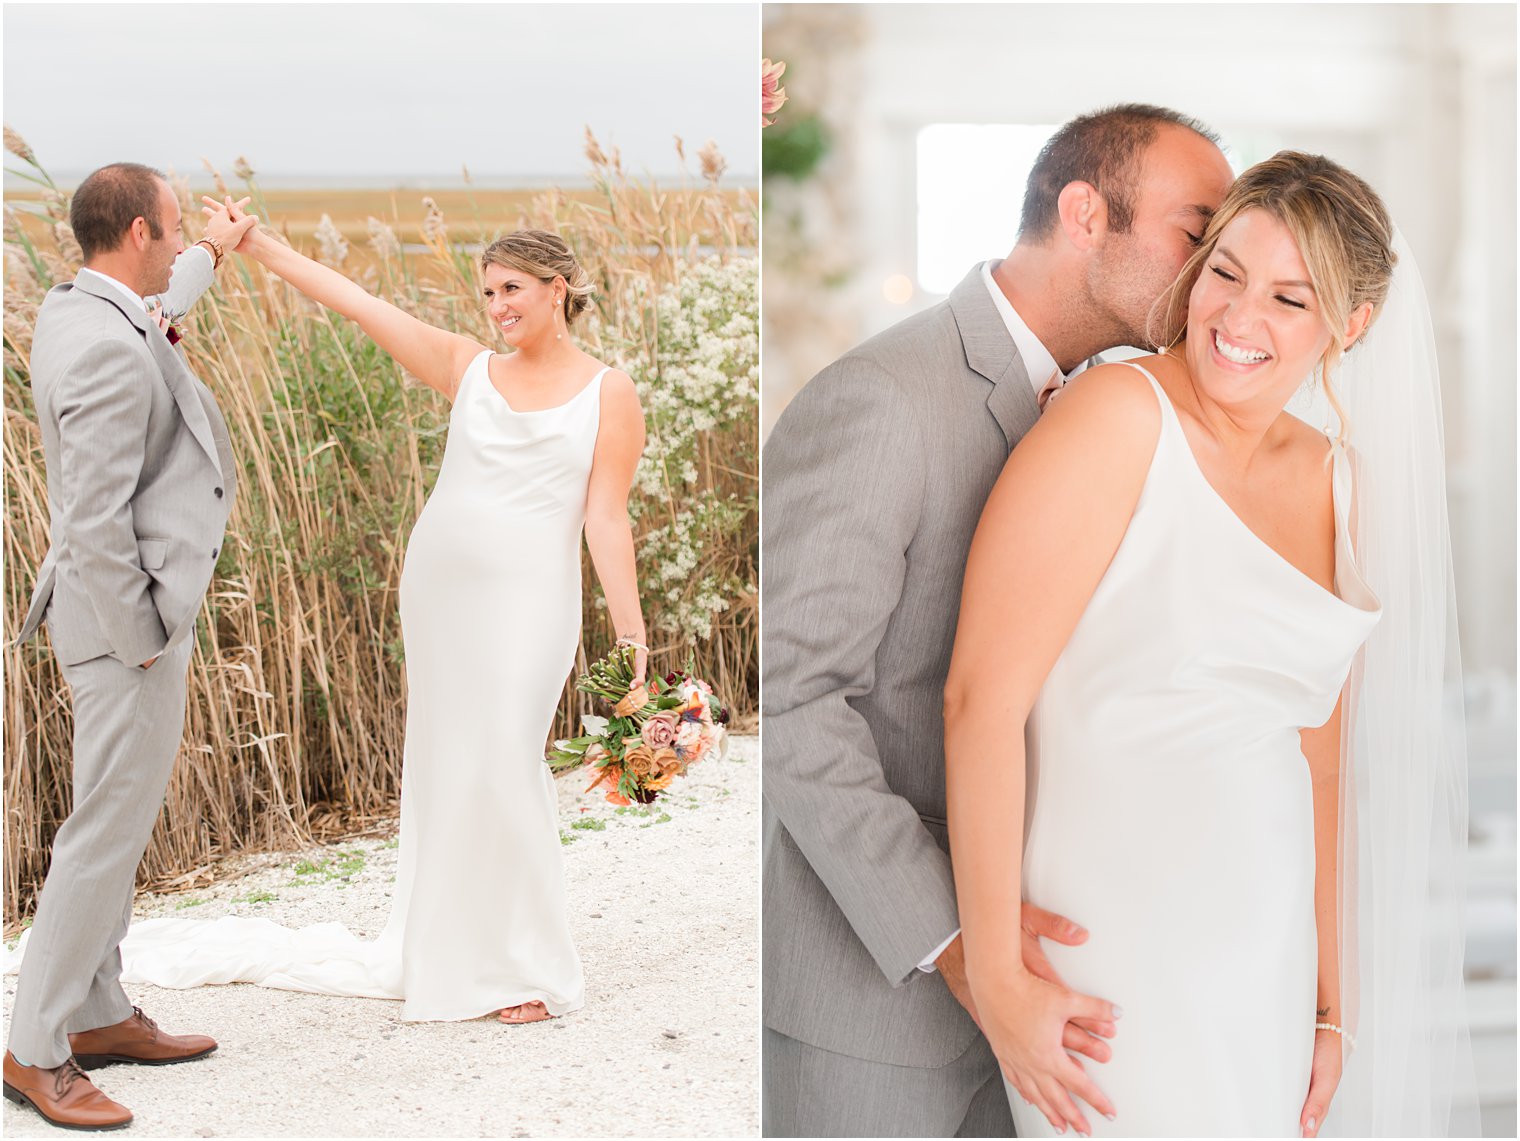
[1404,776]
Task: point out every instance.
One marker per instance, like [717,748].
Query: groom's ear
[1083,214]
[138,234]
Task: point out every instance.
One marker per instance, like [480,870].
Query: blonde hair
[544,256]
[1343,234]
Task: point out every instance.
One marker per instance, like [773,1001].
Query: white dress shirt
[1036,357]
[125,290]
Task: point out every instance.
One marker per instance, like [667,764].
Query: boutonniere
[159,317]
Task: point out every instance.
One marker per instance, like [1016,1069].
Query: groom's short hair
[1102,148]
[109,200]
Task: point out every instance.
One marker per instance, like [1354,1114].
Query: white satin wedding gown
[1170,807]
[490,613]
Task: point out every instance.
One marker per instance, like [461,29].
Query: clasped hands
[227,222]
[1032,1019]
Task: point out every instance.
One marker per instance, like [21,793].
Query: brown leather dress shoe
[63,1095]
[137,1040]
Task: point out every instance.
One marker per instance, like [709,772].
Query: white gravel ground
[665,907]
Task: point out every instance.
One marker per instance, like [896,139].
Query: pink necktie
[1056,382]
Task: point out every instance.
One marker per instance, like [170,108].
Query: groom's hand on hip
[1084,1036]
[1036,923]
[951,965]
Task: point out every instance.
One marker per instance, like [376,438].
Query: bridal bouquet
[656,731]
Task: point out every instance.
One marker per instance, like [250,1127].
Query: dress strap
[1145,372]
[1343,491]
[1168,410]
[484,354]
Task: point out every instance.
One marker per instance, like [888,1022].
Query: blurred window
[971,180]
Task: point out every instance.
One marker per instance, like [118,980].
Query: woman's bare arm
[609,537]
[434,356]
[1057,513]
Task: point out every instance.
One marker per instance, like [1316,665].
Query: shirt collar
[124,290]
[1038,362]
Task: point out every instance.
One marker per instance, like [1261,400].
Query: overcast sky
[371,91]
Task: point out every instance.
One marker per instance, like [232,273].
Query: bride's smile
[1238,354]
[1256,327]
[520,305]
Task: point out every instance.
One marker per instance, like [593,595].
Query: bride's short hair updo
[545,256]
[1343,234]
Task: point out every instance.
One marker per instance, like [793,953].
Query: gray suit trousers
[128,723]
[812,1092]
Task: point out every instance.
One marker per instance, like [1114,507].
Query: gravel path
[665,909]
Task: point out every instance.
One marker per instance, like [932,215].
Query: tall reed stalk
[297,694]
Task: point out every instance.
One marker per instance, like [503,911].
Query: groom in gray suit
[874,479]
[140,480]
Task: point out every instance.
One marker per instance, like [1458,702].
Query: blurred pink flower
[772,94]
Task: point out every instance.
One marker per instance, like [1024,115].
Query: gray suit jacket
[140,473]
[874,480]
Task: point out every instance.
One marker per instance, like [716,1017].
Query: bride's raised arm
[1050,527]
[434,356]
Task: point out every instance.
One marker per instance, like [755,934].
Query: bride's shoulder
[1115,398]
[1131,377]
[1305,450]
[616,381]
[619,393]
[1302,439]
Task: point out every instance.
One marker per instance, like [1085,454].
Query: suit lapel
[219,433]
[182,384]
[990,351]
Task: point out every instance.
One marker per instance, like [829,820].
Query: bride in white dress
[541,442]
[1181,675]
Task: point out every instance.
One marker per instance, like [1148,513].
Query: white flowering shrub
[707,368]
[679,571]
[700,399]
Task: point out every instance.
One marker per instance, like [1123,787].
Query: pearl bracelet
[635,645]
[1346,1034]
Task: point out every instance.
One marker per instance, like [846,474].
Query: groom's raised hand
[226,221]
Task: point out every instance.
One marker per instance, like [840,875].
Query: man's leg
[104,1000]
[810,1092]
[127,727]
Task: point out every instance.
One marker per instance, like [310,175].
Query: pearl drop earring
[558,336]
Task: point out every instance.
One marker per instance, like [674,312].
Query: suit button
[219,493]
